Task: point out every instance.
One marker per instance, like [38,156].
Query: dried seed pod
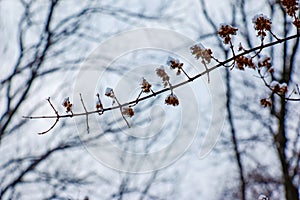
[291,6]
[200,52]
[163,75]
[262,24]
[128,111]
[146,86]
[265,103]
[175,64]
[109,92]
[226,31]
[172,100]
[67,104]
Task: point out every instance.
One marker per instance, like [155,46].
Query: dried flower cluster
[297,23]
[279,88]
[109,92]
[265,103]
[146,86]
[262,23]
[243,61]
[266,62]
[128,111]
[172,100]
[67,104]
[205,54]
[175,64]
[163,75]
[226,31]
[291,6]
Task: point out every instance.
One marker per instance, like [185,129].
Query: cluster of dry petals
[243,61]
[128,111]
[291,7]
[265,102]
[199,52]
[146,86]
[172,100]
[266,62]
[226,31]
[279,88]
[262,24]
[67,104]
[163,75]
[175,64]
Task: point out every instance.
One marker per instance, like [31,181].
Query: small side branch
[137,99]
[56,121]
[120,106]
[185,73]
[207,71]
[86,114]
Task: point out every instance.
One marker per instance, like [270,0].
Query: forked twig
[120,105]
[56,121]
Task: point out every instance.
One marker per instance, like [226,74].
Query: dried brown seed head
[242,62]
[109,92]
[262,24]
[172,100]
[265,103]
[175,64]
[163,75]
[226,31]
[146,86]
[128,111]
[201,52]
[67,104]
[291,6]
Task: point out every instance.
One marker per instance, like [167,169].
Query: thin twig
[86,114]
[206,68]
[185,73]
[120,106]
[137,99]
[56,121]
[274,35]
[297,87]
[233,54]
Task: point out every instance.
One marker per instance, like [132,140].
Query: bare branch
[221,63]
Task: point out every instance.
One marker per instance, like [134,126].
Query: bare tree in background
[46,41]
[265,143]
